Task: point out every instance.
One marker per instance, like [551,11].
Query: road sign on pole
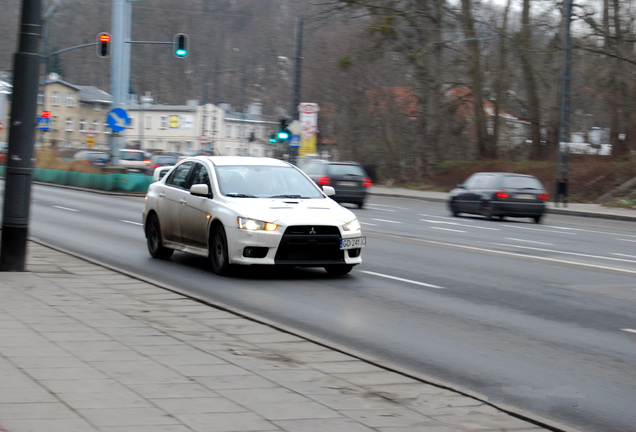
[294,141]
[204,139]
[117,119]
[91,133]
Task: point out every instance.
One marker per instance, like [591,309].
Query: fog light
[248,252]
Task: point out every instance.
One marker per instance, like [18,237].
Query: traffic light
[46,114]
[103,45]
[180,45]
[272,138]
[283,133]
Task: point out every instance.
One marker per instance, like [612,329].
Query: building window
[106,128]
[131,123]
[69,124]
[40,97]
[148,123]
[96,126]
[82,125]
[55,99]
[97,106]
[228,131]
[70,99]
[164,122]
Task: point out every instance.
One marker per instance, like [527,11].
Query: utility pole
[118,88]
[563,150]
[17,187]
[293,151]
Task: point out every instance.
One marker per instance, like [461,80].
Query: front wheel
[153,236]
[339,269]
[218,251]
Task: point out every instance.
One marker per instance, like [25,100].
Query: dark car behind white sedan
[499,195]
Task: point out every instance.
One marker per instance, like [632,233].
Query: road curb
[389,367]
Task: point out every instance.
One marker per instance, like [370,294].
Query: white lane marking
[567,253]
[401,279]
[514,254]
[538,229]
[386,220]
[443,217]
[133,223]
[367,223]
[393,207]
[447,229]
[627,240]
[530,241]
[587,231]
[458,224]
[66,208]
[628,256]
[629,330]
[384,210]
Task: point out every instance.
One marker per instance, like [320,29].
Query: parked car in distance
[499,195]
[348,179]
[134,160]
[4,148]
[160,172]
[249,211]
[161,160]
[92,157]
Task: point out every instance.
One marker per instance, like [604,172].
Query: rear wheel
[537,219]
[486,210]
[338,269]
[153,236]
[218,251]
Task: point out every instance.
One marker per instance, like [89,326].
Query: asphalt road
[539,317]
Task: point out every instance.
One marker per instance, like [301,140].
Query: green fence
[105,182]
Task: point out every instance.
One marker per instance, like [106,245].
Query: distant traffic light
[180,45]
[272,138]
[103,45]
[283,133]
[46,114]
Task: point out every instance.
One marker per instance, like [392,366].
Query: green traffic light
[283,135]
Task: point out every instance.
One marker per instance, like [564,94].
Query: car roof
[240,160]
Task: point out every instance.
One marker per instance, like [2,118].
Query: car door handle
[183,201]
[161,195]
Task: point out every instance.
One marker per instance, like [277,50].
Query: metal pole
[563,150]
[17,189]
[297,68]
[116,67]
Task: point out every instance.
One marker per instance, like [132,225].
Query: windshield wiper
[239,195]
[287,196]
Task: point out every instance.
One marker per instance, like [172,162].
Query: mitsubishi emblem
[312,231]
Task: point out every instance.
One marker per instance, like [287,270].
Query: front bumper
[308,246]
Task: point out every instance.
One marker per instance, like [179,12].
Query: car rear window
[132,156]
[520,182]
[345,169]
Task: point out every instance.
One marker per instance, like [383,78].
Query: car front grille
[310,246]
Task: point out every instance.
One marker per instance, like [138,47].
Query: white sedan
[243,210]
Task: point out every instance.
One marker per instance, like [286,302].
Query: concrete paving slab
[145,416]
[199,405]
[227,422]
[48,425]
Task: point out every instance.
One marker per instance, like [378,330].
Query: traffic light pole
[17,187]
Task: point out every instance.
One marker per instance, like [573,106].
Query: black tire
[360,204]
[218,251]
[486,210]
[339,269]
[537,219]
[453,209]
[153,239]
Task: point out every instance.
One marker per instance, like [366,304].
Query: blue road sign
[294,141]
[44,123]
[117,119]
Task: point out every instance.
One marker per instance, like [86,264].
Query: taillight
[324,181]
[367,182]
[543,196]
[501,194]
[147,162]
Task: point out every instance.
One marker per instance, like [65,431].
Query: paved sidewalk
[574,209]
[85,348]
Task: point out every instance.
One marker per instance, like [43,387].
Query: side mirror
[461,186]
[202,190]
[329,190]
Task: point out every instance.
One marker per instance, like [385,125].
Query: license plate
[352,243]
[525,196]
[348,183]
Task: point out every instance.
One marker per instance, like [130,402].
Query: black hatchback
[348,179]
[499,195]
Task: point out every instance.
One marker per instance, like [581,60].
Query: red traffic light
[103,45]
[46,114]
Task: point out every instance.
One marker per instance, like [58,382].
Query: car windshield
[520,182]
[167,159]
[265,182]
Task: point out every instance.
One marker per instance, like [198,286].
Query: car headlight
[354,225]
[255,225]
